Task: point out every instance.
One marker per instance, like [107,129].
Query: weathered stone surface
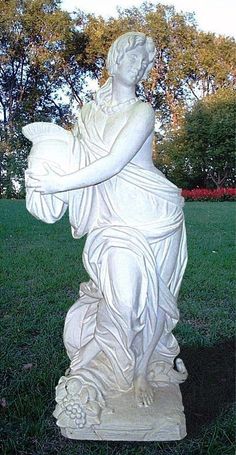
[118,334]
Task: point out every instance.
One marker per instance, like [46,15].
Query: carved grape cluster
[74,411]
[78,405]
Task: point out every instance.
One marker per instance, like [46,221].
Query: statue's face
[132,67]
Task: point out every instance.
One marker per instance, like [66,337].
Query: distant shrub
[204,194]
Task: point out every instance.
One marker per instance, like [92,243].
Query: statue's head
[126,43]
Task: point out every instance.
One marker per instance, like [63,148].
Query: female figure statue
[118,335]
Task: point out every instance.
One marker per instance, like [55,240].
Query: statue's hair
[121,45]
[125,43]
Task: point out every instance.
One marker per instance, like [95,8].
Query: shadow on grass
[210,386]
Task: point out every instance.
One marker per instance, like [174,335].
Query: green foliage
[38,68]
[46,55]
[202,152]
[189,64]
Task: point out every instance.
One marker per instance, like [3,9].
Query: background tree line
[47,56]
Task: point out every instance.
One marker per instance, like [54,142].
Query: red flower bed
[204,194]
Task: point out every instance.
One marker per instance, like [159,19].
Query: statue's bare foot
[143,391]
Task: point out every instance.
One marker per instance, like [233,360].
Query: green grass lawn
[41,270]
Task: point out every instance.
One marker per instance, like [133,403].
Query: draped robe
[137,212]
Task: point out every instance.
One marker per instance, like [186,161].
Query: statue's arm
[128,142]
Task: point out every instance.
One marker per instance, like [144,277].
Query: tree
[167,28]
[47,54]
[202,151]
[212,66]
[39,73]
[189,64]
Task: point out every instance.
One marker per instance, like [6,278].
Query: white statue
[121,383]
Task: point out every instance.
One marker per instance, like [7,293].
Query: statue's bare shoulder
[146,108]
[144,113]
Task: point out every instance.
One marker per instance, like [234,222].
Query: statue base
[123,420]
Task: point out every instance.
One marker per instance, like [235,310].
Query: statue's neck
[121,93]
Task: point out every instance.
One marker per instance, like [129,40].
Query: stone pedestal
[123,420]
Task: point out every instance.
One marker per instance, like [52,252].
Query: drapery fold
[137,211]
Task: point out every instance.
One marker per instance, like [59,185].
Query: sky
[218,16]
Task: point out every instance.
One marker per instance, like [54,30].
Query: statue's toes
[151,392]
[139,400]
[147,398]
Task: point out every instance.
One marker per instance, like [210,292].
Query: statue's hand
[48,183]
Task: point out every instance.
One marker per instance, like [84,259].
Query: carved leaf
[58,411]
[63,422]
[74,386]
[84,395]
[93,420]
[93,409]
[60,392]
